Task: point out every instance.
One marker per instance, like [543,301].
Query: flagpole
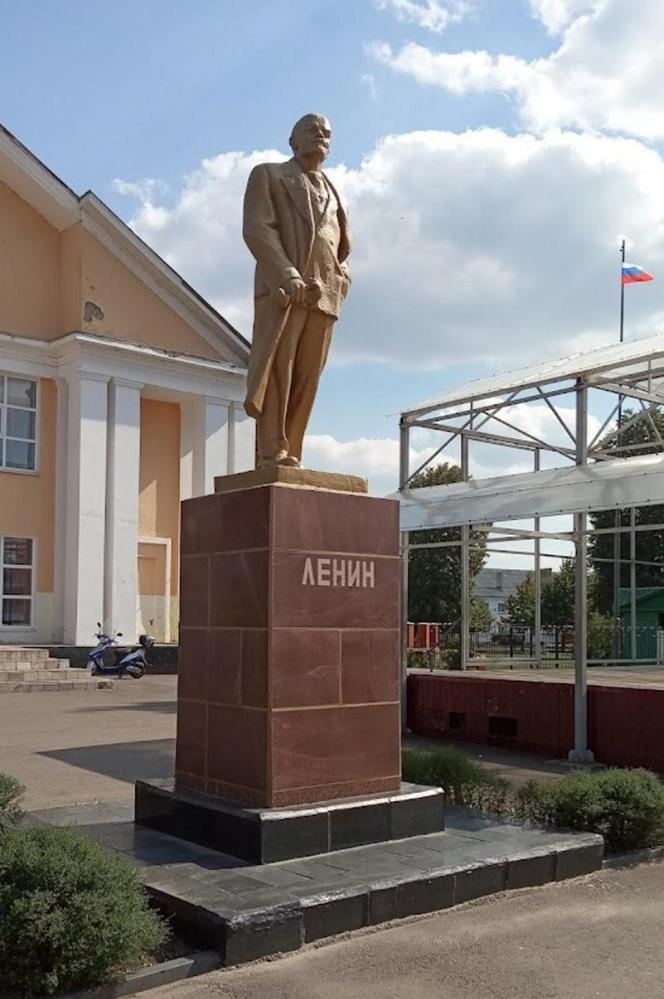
[617,636]
[622,295]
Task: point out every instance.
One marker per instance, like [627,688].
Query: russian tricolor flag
[631,273]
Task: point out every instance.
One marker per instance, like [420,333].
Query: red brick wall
[625,726]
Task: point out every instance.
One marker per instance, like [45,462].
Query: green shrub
[72,914]
[416,766]
[418,659]
[450,658]
[11,793]
[600,636]
[463,780]
[456,773]
[493,795]
[625,806]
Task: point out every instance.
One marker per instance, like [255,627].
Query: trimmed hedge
[11,794]
[625,806]
[463,780]
[72,914]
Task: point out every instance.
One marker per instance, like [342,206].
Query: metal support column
[404,474]
[465,567]
[581,753]
[617,565]
[538,578]
[632,583]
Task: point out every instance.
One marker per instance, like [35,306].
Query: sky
[492,154]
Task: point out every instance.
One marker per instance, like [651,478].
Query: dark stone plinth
[265,836]
[288,687]
[249,911]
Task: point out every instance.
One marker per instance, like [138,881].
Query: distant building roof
[502,582]
[643,593]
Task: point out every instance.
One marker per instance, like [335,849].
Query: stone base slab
[298,903]
[285,476]
[249,912]
[268,835]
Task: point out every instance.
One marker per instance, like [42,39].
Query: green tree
[646,429]
[558,596]
[520,605]
[480,614]
[434,574]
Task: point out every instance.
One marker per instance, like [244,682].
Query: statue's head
[311,135]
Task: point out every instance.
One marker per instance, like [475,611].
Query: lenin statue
[296,228]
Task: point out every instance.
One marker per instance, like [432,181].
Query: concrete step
[25,665]
[52,674]
[53,686]
[15,653]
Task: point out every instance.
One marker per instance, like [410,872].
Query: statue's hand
[296,290]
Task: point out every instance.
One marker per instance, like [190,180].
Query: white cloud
[434,15]
[458,72]
[557,14]
[376,458]
[605,74]
[479,247]
[147,189]
[486,247]
[200,236]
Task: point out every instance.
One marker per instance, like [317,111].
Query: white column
[86,502]
[242,440]
[216,427]
[121,550]
[60,547]
[207,429]
[188,435]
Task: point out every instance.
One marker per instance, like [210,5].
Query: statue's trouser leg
[272,440]
[311,354]
[293,381]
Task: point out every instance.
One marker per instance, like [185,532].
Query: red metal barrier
[423,635]
[625,725]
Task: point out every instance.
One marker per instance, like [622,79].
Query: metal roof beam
[625,389]
[477,409]
[565,452]
[500,440]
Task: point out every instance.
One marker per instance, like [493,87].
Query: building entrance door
[153,612]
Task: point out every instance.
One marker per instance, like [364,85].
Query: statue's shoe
[290,461]
[276,459]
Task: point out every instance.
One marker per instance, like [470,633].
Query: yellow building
[120,395]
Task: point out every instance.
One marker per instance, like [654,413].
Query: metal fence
[515,647]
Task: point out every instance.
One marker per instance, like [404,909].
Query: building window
[502,608]
[18,422]
[16,563]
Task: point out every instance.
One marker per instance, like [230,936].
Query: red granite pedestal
[288,691]
[289,654]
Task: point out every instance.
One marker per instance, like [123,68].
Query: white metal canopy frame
[591,475]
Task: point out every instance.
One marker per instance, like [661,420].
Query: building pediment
[109,282]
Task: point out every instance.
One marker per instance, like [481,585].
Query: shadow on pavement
[150,849]
[166,707]
[125,761]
